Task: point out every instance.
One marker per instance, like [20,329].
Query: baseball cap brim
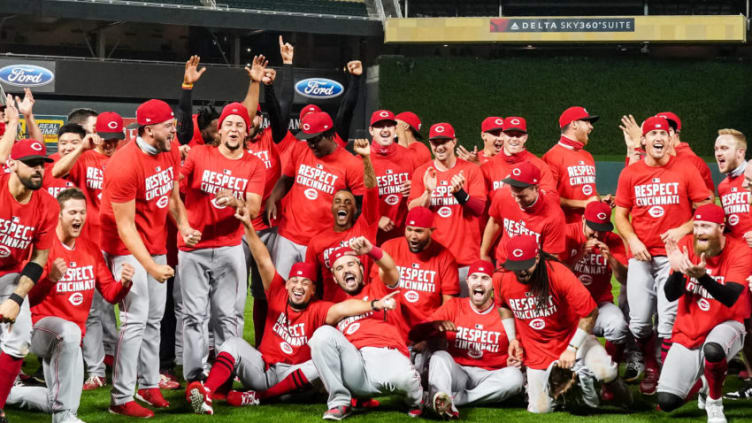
[36,157]
[132,125]
[600,227]
[590,118]
[519,264]
[111,135]
[394,122]
[304,136]
[513,129]
[440,137]
[516,183]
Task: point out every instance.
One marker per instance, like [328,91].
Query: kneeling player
[473,369]
[708,280]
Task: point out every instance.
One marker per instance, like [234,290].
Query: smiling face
[443,148]
[343,209]
[300,291]
[727,154]
[657,143]
[73,217]
[232,133]
[514,142]
[383,132]
[493,141]
[581,130]
[525,197]
[481,290]
[417,238]
[162,133]
[67,142]
[348,273]
[707,238]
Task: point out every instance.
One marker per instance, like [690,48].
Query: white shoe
[66,417]
[702,394]
[714,408]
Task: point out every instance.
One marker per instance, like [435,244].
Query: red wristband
[376,253]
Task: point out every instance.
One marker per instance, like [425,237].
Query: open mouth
[658,147]
[297,295]
[76,226]
[350,280]
[478,293]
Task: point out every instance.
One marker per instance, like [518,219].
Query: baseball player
[365,355]
[730,147]
[137,195]
[708,280]
[28,217]
[658,193]
[522,208]
[213,274]
[473,369]
[346,226]
[317,170]
[428,272]
[86,118]
[554,314]
[573,168]
[394,165]
[69,136]
[453,189]
[512,153]
[60,305]
[282,362]
[84,167]
[490,134]
[408,134]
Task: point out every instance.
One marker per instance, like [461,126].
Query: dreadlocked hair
[539,284]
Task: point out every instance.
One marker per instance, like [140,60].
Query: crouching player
[60,306]
[554,314]
[474,368]
[708,279]
[282,363]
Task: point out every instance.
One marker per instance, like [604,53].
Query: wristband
[187,86]
[376,253]
[578,339]
[16,298]
[461,196]
[571,347]
[32,271]
[373,307]
[508,324]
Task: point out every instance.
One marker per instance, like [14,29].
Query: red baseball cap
[109,126]
[411,119]
[521,252]
[515,123]
[153,111]
[309,108]
[523,175]
[598,216]
[710,213]
[481,266]
[420,217]
[235,109]
[441,131]
[492,123]
[654,123]
[304,269]
[381,116]
[28,150]
[671,117]
[575,113]
[339,253]
[314,124]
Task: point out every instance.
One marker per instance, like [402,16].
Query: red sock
[715,373]
[220,371]
[695,389]
[260,308]
[616,351]
[647,346]
[665,346]
[294,381]
[9,368]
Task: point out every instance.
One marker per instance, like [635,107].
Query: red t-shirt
[482,158]
[309,202]
[149,181]
[54,185]
[456,229]
[70,297]
[287,330]
[480,339]
[424,277]
[574,173]
[684,152]
[23,226]
[264,148]
[501,165]
[393,169]
[206,172]
[544,219]
[698,312]
[546,332]
[735,201]
[421,153]
[325,242]
[659,198]
[88,175]
[378,329]
[592,269]
[285,146]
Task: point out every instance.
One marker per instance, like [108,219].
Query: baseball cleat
[242,398]
[337,413]
[745,392]
[634,369]
[200,398]
[131,409]
[714,408]
[415,411]
[94,382]
[69,418]
[443,406]
[364,404]
[168,381]
[153,397]
[702,394]
[649,383]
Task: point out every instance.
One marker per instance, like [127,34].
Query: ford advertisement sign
[15,76]
[319,88]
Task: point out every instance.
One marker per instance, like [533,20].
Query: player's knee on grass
[713,352]
[669,402]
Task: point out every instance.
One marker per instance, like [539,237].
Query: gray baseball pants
[101,335]
[286,253]
[611,324]
[15,338]
[645,296]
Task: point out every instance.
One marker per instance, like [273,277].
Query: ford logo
[26,75]
[319,88]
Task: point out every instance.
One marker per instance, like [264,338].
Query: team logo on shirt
[392,200]
[215,204]
[163,201]
[285,347]
[76,298]
[656,211]
[733,220]
[587,189]
[352,328]
[703,304]
[537,324]
[586,279]
[4,251]
[444,212]
[412,296]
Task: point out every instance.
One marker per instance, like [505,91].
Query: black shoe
[745,392]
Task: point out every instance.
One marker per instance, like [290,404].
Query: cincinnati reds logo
[516,171]
[76,299]
[392,199]
[586,279]
[537,324]
[475,352]
[36,146]
[352,328]
[216,205]
[656,211]
[440,129]
[601,216]
[306,127]
[515,121]
[234,110]
[4,251]
[499,122]
[311,194]
[384,114]
[703,304]
[112,125]
[163,201]
[587,189]
[733,220]
[444,212]
[517,252]
[285,347]
[412,296]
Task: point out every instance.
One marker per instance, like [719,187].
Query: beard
[711,249]
[30,183]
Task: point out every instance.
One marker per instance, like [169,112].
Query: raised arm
[255,75]
[388,272]
[11,129]
[184,113]
[354,307]
[258,249]
[347,107]
[26,107]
